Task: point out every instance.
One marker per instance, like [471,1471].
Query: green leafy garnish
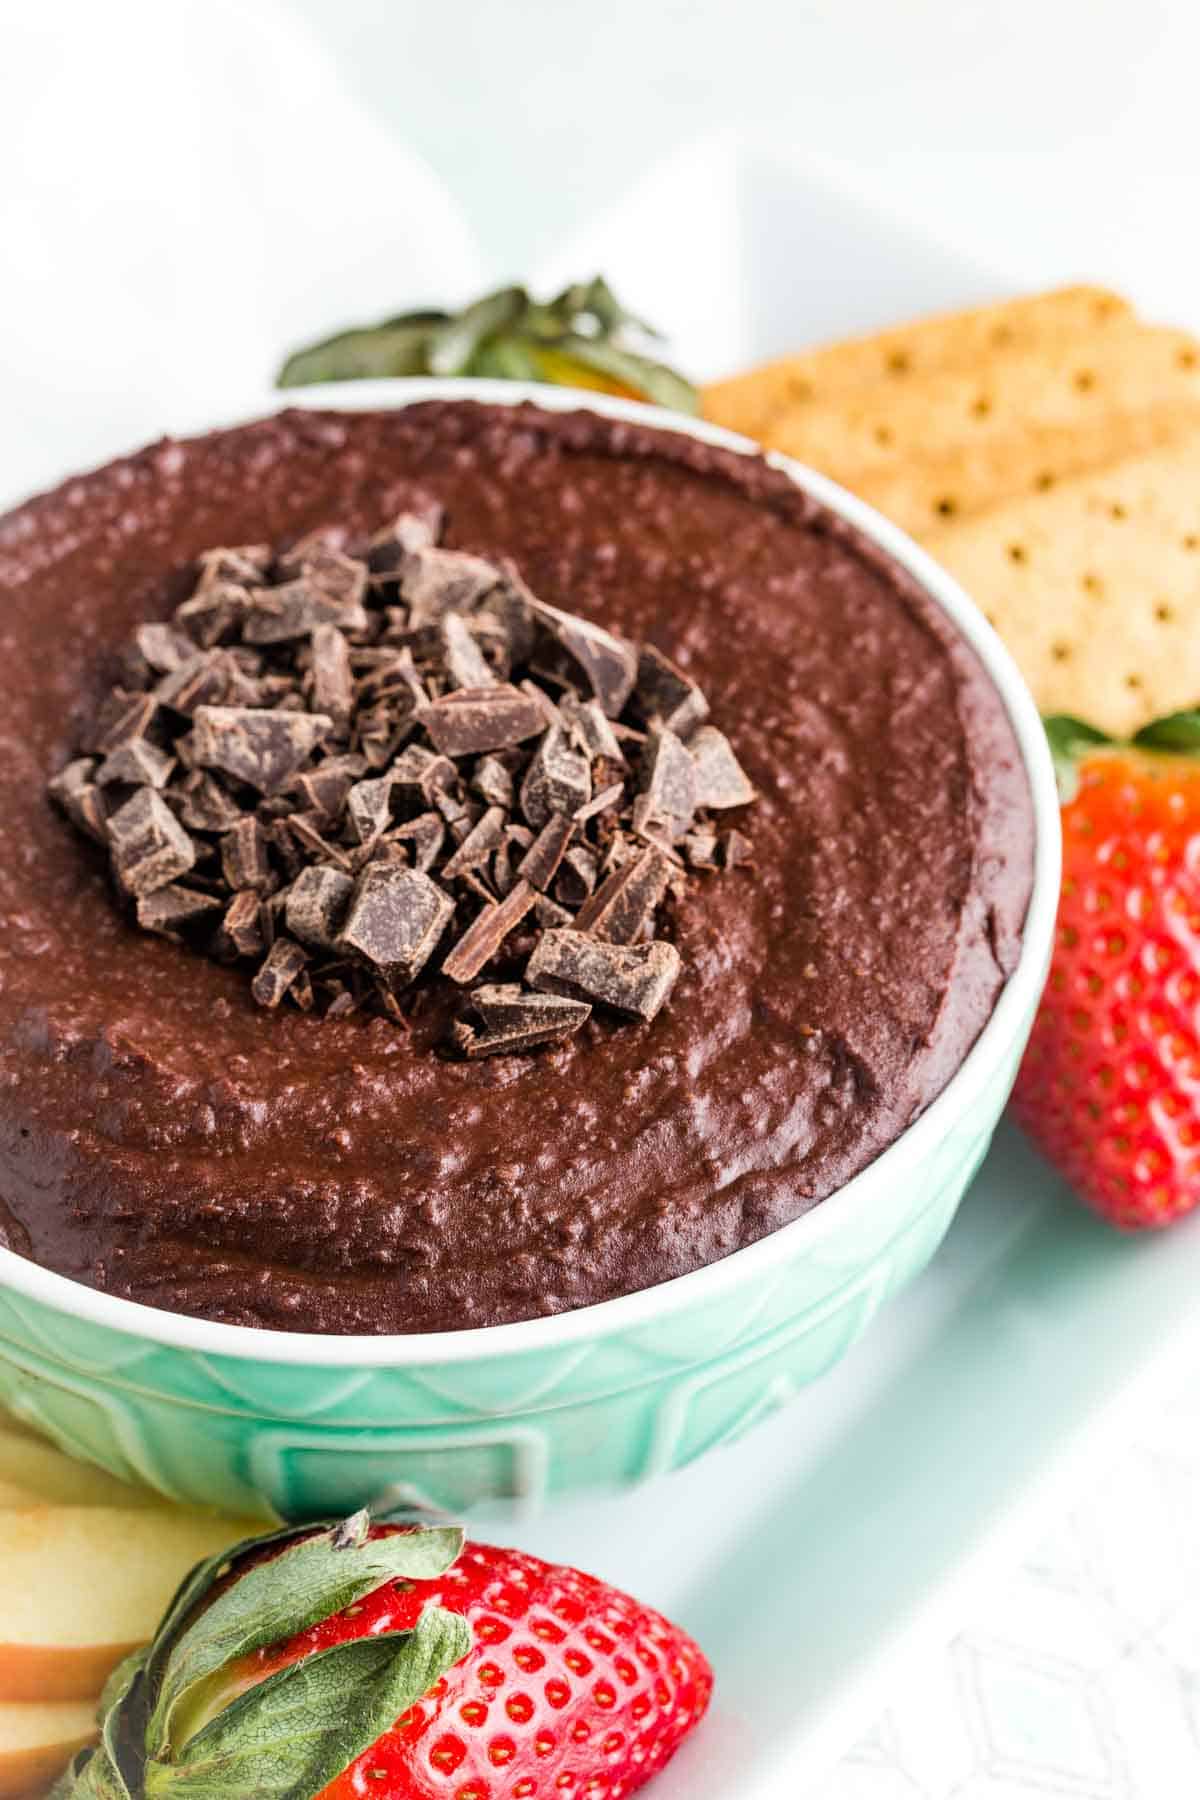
[176,1719]
[584,337]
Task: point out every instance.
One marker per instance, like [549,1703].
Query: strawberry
[1110,1085]
[397,1664]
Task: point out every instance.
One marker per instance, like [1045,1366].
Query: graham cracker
[1127,367]
[750,402]
[1095,586]
[926,493]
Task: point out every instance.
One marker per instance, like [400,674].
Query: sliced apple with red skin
[38,1741]
[80,1587]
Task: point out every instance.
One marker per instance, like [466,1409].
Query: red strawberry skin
[1110,1084]
[571,1690]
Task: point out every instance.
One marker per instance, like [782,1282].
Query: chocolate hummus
[163,1137]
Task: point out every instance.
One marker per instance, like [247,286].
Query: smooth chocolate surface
[162,1137]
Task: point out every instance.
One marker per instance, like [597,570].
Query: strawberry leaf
[306,1582]
[1178,731]
[287,1738]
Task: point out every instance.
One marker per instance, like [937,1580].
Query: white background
[1059,137]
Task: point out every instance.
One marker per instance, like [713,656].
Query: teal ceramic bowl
[295,1424]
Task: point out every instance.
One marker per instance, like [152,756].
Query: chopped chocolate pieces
[148,844]
[169,910]
[332,680]
[493,782]
[355,766]
[668,784]
[122,716]
[472,720]
[395,919]
[369,807]
[296,609]
[480,942]
[260,746]
[75,791]
[721,780]
[316,905]
[203,804]
[633,978]
[664,695]
[476,848]
[435,582]
[514,1019]
[622,907]
[539,864]
[242,927]
[284,962]
[137,763]
[558,780]
[609,663]
[244,862]
[466,665]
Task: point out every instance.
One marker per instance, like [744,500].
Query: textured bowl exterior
[276,1424]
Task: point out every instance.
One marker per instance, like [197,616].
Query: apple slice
[38,1741]
[30,1463]
[82,1586]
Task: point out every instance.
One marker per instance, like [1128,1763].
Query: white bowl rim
[646,1307]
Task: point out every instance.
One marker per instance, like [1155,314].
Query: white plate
[817,1555]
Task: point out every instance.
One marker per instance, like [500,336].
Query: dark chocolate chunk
[138,763]
[632,978]
[516,1019]
[284,962]
[591,731]
[493,782]
[76,792]
[426,835]
[700,849]
[207,678]
[332,681]
[262,747]
[369,808]
[609,663]
[203,803]
[323,790]
[434,582]
[736,850]
[667,777]
[246,564]
[665,696]
[417,528]
[600,803]
[477,847]
[169,910]
[296,609]
[558,780]
[306,829]
[464,662]
[472,720]
[316,906]
[241,928]
[480,942]
[163,648]
[122,717]
[721,780]
[213,612]
[149,846]
[540,862]
[550,914]
[577,877]
[244,862]
[624,904]
[395,919]
[326,568]
[422,773]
